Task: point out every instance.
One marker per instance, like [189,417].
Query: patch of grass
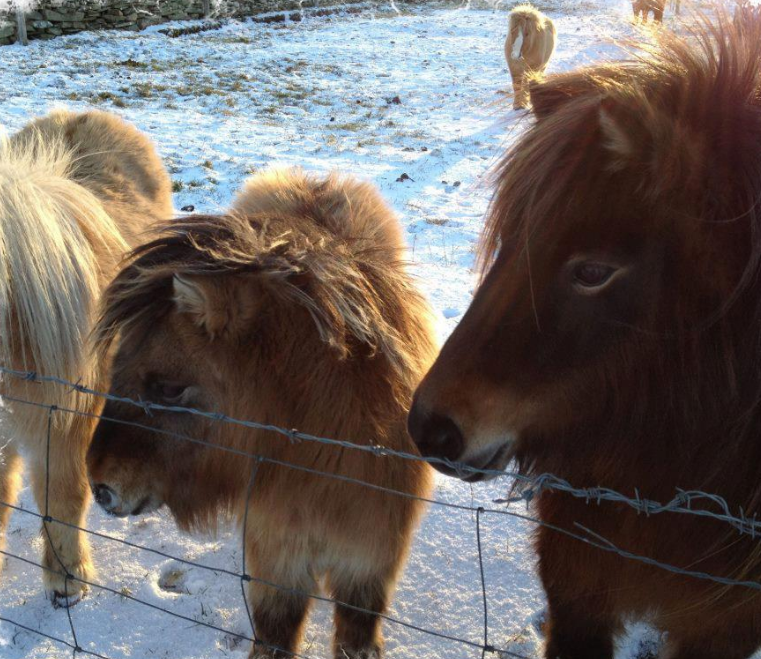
[178,186]
[208,164]
[133,64]
[104,96]
[195,183]
[236,39]
[350,126]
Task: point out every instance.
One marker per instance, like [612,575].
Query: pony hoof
[63,592]
[64,601]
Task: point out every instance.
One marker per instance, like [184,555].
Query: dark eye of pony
[592,275]
[167,392]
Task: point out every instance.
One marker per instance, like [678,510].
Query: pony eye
[592,275]
[168,392]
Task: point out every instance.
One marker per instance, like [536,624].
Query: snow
[421,93]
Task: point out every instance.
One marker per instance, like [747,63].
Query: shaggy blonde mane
[49,273]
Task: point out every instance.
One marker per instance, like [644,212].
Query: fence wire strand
[685,502]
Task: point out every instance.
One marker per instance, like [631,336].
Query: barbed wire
[530,488]
[683,502]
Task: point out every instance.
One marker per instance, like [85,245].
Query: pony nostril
[436,435]
[104,495]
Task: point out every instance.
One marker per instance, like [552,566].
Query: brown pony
[642,8]
[74,190]
[614,339]
[294,310]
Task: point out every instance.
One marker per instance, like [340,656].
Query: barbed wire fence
[685,502]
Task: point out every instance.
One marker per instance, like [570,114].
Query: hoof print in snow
[231,642]
[173,580]
[405,177]
[394,101]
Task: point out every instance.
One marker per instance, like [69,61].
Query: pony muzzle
[113,504]
[440,436]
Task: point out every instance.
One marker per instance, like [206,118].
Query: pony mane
[49,274]
[349,281]
[675,96]
[528,12]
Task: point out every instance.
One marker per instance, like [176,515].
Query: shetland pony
[614,339]
[642,8]
[294,309]
[74,189]
[528,48]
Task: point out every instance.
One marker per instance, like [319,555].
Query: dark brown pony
[614,340]
[294,310]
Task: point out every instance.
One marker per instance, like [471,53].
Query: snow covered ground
[381,95]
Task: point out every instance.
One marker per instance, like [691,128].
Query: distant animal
[528,48]
[294,309]
[613,340]
[74,191]
[643,7]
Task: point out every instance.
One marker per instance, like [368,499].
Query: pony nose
[436,435]
[104,495]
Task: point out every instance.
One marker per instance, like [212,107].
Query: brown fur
[293,310]
[642,8]
[645,378]
[74,190]
[537,35]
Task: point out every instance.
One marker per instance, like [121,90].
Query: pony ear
[218,304]
[616,139]
[189,296]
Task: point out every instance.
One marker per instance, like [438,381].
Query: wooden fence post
[21,36]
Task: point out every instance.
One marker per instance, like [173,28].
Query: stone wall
[52,18]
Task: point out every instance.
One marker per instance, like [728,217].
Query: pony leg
[573,631]
[62,489]
[10,482]
[279,614]
[358,633]
[520,92]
